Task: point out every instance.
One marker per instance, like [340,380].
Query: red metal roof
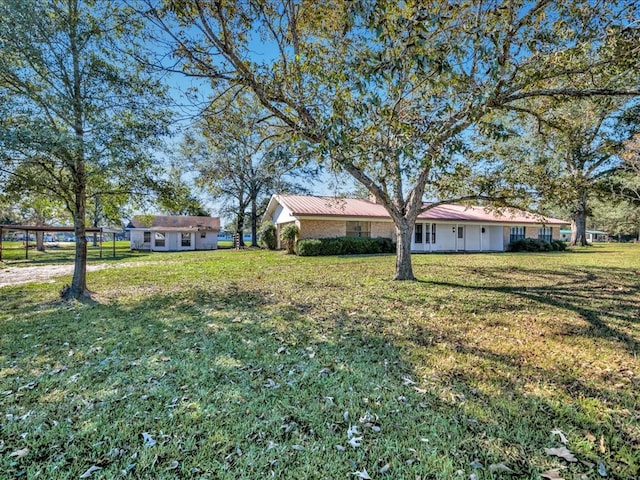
[302,206]
[175,222]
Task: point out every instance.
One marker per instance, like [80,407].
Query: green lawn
[250,364]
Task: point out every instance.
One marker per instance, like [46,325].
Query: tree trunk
[39,235]
[79,282]
[40,241]
[579,222]
[240,227]
[254,222]
[404,269]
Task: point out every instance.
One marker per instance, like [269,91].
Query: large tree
[240,157]
[386,90]
[75,109]
[567,151]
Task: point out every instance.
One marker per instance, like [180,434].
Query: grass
[250,364]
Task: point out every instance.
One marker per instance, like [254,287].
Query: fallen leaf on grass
[89,471]
[297,447]
[19,453]
[175,464]
[385,468]
[149,441]
[499,468]
[561,452]
[363,474]
[551,475]
[355,442]
[561,434]
[602,470]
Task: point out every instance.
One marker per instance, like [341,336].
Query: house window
[358,229]
[146,237]
[203,234]
[460,232]
[433,234]
[545,234]
[159,238]
[515,234]
[186,239]
[417,233]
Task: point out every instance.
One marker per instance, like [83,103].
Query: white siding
[209,242]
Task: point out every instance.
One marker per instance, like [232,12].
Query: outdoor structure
[592,235]
[456,228]
[173,233]
[55,229]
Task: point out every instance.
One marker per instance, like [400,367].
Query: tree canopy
[78,118]
[386,90]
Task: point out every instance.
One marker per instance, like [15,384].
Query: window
[159,238]
[433,234]
[203,234]
[147,237]
[417,233]
[545,234]
[186,239]
[460,232]
[515,234]
[358,229]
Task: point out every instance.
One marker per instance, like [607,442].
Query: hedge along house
[173,233]
[456,228]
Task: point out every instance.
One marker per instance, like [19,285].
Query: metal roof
[175,222]
[314,206]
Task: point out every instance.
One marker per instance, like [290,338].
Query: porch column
[26,246]
[481,237]
[456,236]
[430,237]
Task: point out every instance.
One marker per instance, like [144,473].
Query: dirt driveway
[41,273]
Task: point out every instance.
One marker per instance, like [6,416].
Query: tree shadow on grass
[233,382]
[607,298]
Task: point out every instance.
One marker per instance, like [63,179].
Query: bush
[267,234]
[309,248]
[288,237]
[344,246]
[536,245]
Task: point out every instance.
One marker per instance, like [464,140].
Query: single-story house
[172,233]
[443,228]
[592,235]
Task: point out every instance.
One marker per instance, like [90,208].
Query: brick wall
[322,228]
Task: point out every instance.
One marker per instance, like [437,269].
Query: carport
[54,229]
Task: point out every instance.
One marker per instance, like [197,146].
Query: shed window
[203,234]
[159,238]
[358,229]
[186,240]
[460,232]
[433,234]
[146,237]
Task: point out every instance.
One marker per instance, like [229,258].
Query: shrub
[344,246]
[267,234]
[535,245]
[288,237]
[309,247]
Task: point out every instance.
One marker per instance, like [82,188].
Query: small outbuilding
[173,233]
